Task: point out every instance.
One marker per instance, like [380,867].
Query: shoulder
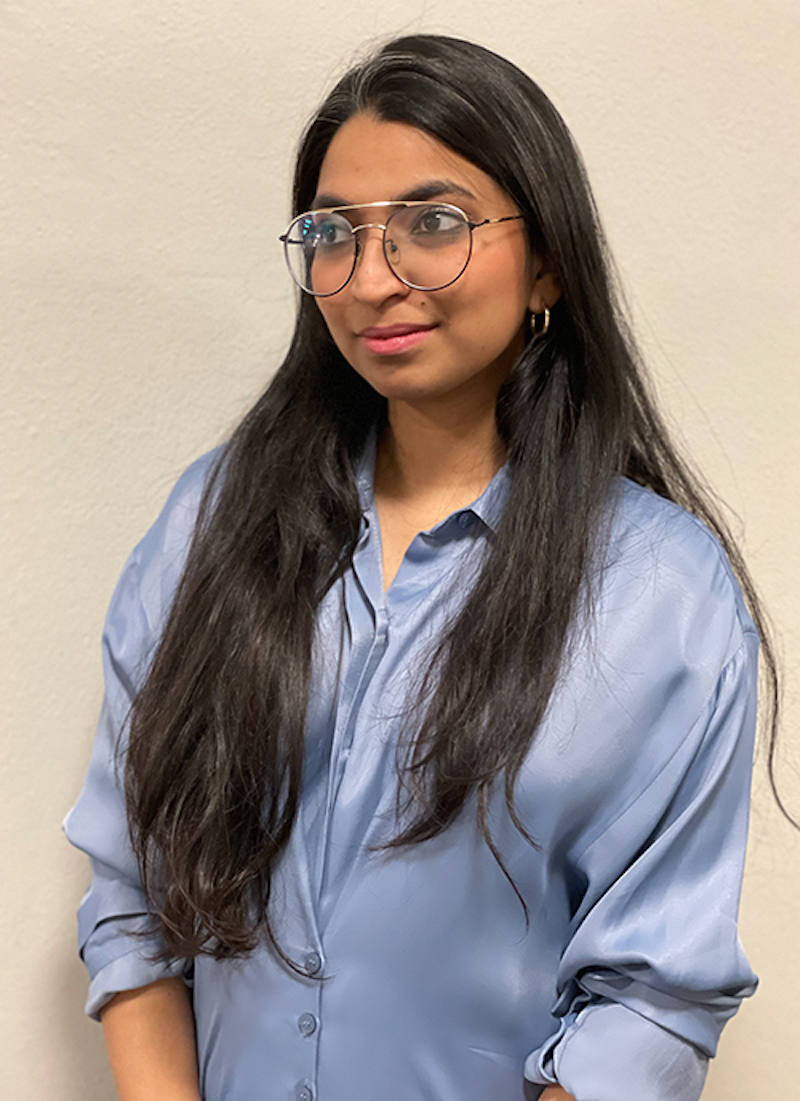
[656,540]
[146,588]
[664,672]
[667,571]
[655,524]
[168,539]
[660,679]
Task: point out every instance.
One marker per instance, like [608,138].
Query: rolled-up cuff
[611,1053]
[117,960]
[127,972]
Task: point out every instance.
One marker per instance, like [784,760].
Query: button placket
[366,638]
[370,658]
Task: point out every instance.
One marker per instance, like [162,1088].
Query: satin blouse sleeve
[114,907]
[654,968]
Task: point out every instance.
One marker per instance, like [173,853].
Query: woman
[431,696]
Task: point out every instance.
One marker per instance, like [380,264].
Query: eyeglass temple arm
[494,221]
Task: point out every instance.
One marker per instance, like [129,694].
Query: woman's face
[464,337]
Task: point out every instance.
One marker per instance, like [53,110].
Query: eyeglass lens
[427,247]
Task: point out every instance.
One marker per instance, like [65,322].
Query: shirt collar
[488,507]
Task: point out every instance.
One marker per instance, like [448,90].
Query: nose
[373,280]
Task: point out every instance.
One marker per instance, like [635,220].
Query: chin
[400,387]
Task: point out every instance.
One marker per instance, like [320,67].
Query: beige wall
[144,153]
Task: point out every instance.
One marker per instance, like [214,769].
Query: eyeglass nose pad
[392,251]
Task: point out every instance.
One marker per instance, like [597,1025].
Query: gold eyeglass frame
[399,204]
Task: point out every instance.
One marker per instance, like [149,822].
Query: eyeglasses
[426,245]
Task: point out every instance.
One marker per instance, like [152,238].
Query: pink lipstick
[393,339]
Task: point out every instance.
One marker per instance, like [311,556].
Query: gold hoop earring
[540,323]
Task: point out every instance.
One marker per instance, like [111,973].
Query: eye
[325,231]
[436,221]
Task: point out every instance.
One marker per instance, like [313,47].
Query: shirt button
[307,1023]
[465,520]
[312,963]
[304,1092]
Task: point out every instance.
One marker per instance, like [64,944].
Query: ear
[546,288]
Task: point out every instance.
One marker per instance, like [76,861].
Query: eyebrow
[432,189]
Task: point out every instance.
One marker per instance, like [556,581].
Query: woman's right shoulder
[153,570]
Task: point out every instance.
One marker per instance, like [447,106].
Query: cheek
[493,312]
[328,312]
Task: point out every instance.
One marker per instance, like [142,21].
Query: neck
[438,451]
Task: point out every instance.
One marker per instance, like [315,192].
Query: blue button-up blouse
[420,978]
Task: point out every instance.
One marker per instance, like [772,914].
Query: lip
[393,339]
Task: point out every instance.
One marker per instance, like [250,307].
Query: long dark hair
[214,764]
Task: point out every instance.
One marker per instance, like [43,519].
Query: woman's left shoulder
[671,571]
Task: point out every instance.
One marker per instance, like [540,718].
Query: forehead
[369,160]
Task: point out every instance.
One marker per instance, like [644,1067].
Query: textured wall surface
[145,148]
